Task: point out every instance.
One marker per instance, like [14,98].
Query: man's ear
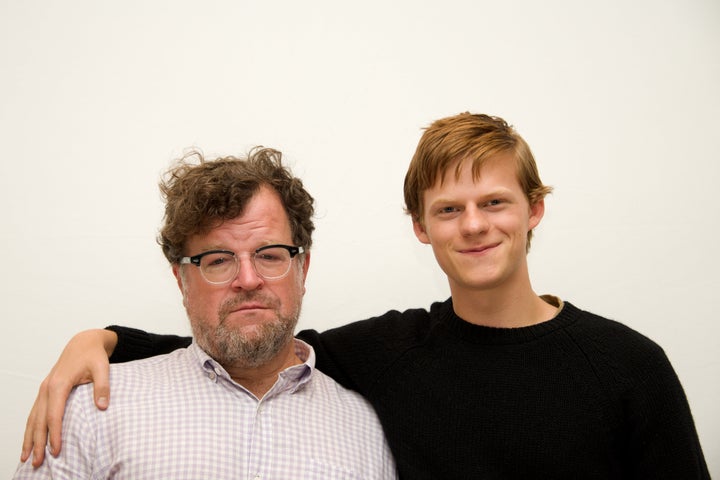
[178,277]
[306,265]
[537,210]
[420,231]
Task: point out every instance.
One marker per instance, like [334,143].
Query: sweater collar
[480,334]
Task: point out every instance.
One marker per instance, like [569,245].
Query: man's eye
[494,202]
[447,210]
[215,261]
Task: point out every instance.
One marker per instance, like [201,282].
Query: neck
[260,379]
[502,307]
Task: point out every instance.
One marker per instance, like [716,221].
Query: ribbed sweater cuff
[133,344]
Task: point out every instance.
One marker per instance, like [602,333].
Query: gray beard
[230,348]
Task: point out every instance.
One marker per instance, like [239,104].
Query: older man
[244,399]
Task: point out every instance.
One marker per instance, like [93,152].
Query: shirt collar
[292,378]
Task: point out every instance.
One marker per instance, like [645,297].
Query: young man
[495,382]
[244,399]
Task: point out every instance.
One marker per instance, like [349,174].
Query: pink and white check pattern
[180,416]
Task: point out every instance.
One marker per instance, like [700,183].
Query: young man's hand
[84,360]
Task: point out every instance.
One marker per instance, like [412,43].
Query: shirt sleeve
[135,344]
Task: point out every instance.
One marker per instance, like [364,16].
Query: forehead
[263,221]
[497,171]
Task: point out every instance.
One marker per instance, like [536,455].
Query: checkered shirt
[181,416]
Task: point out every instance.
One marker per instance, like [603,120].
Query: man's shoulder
[393,323]
[607,329]
[148,385]
[149,363]
[337,399]
[154,371]
[616,344]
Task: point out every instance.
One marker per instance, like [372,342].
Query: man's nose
[473,221]
[246,278]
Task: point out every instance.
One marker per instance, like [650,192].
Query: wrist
[109,339]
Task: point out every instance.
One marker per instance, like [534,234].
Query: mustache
[244,297]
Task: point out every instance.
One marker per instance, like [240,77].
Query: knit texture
[576,397]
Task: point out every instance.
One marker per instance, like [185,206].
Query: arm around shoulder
[84,360]
[135,344]
[78,457]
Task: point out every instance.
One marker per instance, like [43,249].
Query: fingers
[84,359]
[39,441]
[58,392]
[35,436]
[27,436]
[101,389]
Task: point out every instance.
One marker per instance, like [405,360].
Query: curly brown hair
[200,194]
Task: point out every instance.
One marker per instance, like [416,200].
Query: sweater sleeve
[659,436]
[356,355]
[664,441]
[329,357]
[134,344]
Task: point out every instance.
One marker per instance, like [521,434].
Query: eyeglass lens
[269,263]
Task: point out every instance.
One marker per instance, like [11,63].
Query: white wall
[619,101]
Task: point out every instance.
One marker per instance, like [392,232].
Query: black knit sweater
[576,397]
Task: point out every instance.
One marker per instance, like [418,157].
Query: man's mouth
[478,249]
[248,306]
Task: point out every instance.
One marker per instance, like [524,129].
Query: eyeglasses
[271,262]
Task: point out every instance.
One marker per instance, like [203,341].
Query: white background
[619,100]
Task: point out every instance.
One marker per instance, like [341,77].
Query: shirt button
[212,376]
